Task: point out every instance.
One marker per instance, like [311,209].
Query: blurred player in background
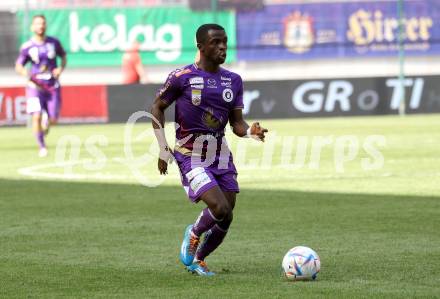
[207,97]
[132,68]
[43,89]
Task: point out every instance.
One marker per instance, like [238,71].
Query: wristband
[166,155]
[248,133]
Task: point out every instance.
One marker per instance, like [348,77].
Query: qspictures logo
[76,158]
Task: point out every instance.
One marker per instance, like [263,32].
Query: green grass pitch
[90,229]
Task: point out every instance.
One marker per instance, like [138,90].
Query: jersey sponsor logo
[196,80]
[198,86]
[196,97]
[226,84]
[228,95]
[44,76]
[225,78]
[212,83]
[185,71]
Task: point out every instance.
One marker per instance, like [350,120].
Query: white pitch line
[36,172]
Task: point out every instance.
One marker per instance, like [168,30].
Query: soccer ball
[301,263]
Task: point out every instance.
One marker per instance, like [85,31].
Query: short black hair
[202,32]
[38,16]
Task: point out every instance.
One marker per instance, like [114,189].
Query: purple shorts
[196,180]
[40,100]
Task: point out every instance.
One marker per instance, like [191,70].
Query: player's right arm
[158,111]
[170,91]
[20,69]
[21,61]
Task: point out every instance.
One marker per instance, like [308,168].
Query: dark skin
[212,55]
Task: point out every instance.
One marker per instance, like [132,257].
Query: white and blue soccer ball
[301,263]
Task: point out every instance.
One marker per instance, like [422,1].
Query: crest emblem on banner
[298,32]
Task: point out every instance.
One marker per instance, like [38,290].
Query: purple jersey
[43,58]
[203,101]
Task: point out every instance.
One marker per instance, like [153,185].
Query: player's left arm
[238,124]
[242,129]
[57,71]
[62,54]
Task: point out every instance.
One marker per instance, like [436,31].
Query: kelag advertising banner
[98,37]
[323,30]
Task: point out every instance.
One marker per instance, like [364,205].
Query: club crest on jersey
[196,97]
[228,95]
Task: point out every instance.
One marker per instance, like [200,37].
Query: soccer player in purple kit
[43,89]
[207,97]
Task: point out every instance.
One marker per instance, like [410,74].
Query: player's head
[212,42]
[38,25]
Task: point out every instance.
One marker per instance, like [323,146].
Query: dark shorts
[198,179]
[38,101]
